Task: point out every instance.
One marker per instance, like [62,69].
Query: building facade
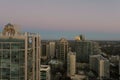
[45,72]
[62,49]
[19,55]
[45,50]
[52,49]
[100,65]
[104,69]
[71,63]
[83,49]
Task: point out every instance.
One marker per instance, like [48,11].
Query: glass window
[21,78]
[0,55]
[22,72]
[6,54]
[15,70]
[14,78]
[5,59]
[14,46]
[5,73]
[15,57]
[11,40]
[0,45]
[0,72]
[6,46]
[18,46]
[22,45]
[21,58]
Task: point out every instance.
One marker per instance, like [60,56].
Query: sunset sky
[96,19]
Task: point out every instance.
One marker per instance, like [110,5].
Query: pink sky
[63,15]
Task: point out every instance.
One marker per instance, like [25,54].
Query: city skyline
[64,18]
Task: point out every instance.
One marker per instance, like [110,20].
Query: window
[6,46]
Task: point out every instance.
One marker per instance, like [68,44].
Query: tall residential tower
[62,47]
[83,49]
[19,55]
[71,63]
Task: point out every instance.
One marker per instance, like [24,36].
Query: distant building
[19,55]
[80,37]
[114,58]
[45,72]
[48,49]
[45,50]
[83,49]
[79,77]
[71,63]
[96,48]
[100,65]
[55,65]
[62,49]
[104,68]
[52,49]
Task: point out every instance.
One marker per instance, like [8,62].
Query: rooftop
[44,67]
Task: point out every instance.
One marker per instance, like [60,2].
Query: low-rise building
[45,72]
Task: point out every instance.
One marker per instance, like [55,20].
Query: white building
[45,72]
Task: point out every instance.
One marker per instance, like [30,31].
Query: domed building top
[80,37]
[9,30]
[77,38]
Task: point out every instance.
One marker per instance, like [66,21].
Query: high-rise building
[83,49]
[45,72]
[45,50]
[104,68]
[52,49]
[71,63]
[100,65]
[62,48]
[19,55]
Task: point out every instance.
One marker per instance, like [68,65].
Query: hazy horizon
[96,19]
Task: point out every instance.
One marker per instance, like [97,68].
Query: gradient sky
[96,19]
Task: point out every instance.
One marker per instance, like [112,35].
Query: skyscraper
[19,55]
[45,72]
[83,49]
[45,50]
[71,63]
[52,49]
[62,47]
[100,65]
[104,68]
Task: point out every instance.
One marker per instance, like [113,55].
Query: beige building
[100,65]
[19,55]
[62,47]
[71,63]
[104,68]
[52,49]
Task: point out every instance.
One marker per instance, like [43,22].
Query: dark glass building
[19,55]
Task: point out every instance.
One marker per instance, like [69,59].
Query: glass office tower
[19,55]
